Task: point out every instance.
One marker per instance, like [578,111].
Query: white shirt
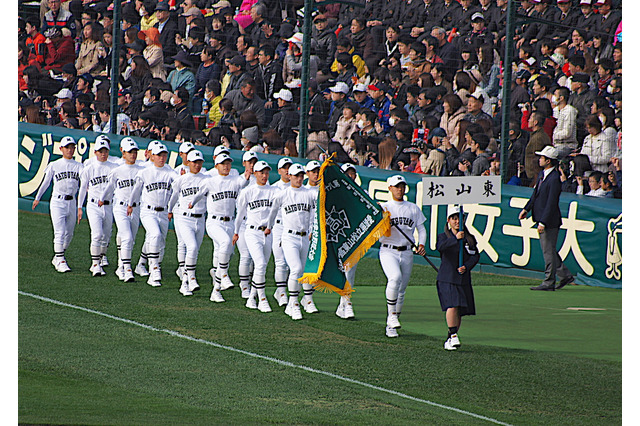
[94,179]
[153,187]
[280,185]
[599,148]
[214,172]
[121,182]
[185,189]
[408,217]
[221,193]
[296,207]
[65,175]
[566,128]
[254,203]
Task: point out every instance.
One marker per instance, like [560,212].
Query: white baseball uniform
[254,203]
[281,271]
[65,175]
[396,254]
[93,180]
[152,191]
[297,208]
[190,223]
[119,189]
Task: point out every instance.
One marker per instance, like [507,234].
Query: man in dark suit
[608,19]
[168,28]
[545,208]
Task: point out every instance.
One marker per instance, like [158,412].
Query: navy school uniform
[454,290]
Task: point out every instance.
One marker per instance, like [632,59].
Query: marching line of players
[235,209]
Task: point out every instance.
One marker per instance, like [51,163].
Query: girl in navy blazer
[454,281]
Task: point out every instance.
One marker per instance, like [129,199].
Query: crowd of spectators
[409,85]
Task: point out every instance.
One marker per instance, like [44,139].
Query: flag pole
[415,247]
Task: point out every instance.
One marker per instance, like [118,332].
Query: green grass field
[97,351]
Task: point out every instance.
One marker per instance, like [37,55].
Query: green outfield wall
[590,240]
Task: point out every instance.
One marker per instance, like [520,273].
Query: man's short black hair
[544,81]
[577,61]
[268,50]
[183,94]
[482,140]
[154,92]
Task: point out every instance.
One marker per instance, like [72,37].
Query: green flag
[347,223]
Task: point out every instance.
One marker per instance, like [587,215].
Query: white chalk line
[263,357]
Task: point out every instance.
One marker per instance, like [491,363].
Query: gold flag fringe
[382,228]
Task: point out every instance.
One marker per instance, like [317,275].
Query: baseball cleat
[179,272]
[392,321]
[153,283]
[391,332]
[309,306]
[449,346]
[246,292]
[184,290]
[104,261]
[193,285]
[226,283]
[252,303]
[348,311]
[63,266]
[455,341]
[263,305]
[340,311]
[141,270]
[280,296]
[119,272]
[216,296]
[127,276]
[295,312]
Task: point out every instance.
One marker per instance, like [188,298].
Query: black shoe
[546,287]
[564,282]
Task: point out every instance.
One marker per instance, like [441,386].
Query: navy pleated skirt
[457,296]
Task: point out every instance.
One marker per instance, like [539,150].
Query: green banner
[347,223]
[590,240]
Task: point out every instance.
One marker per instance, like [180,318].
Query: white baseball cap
[347,166]
[261,165]
[284,94]
[195,155]
[220,149]
[185,147]
[222,158]
[312,165]
[249,155]
[284,162]
[67,140]
[64,94]
[159,149]
[99,144]
[453,209]
[296,38]
[549,152]
[295,169]
[104,138]
[340,87]
[152,144]
[396,180]
[127,144]
[360,87]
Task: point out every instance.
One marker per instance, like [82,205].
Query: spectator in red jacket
[35,41]
[60,50]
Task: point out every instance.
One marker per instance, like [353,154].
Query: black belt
[65,197]
[278,222]
[399,248]
[122,203]
[192,214]
[259,228]
[222,218]
[106,203]
[301,234]
[158,209]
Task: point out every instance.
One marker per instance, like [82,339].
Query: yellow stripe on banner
[312,278]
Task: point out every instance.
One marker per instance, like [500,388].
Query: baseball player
[65,174]
[153,191]
[312,171]
[221,192]
[181,252]
[141,267]
[255,203]
[245,263]
[93,180]
[281,269]
[296,206]
[100,139]
[189,217]
[345,307]
[120,185]
[221,149]
[396,256]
